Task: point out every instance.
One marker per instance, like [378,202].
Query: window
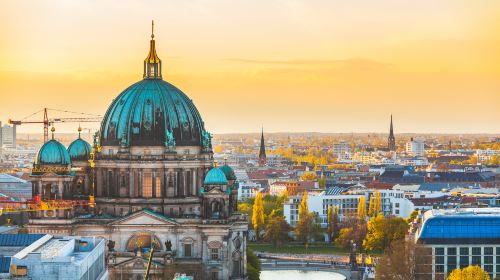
[214,254]
[158,186]
[488,259]
[488,250]
[452,251]
[476,260]
[214,275]
[476,250]
[439,251]
[452,260]
[147,185]
[464,251]
[187,250]
[464,261]
[440,259]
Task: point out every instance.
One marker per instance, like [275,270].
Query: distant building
[248,190]
[262,150]
[415,148]
[341,149]
[68,257]
[461,237]
[9,135]
[391,145]
[15,187]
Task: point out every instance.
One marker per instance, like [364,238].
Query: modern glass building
[462,237]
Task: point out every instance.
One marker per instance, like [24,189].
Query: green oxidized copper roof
[79,150]
[144,113]
[229,172]
[52,153]
[153,112]
[215,177]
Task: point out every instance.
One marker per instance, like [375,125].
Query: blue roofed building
[68,257]
[462,237]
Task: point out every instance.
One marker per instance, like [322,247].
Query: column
[195,183]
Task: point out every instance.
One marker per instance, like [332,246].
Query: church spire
[391,140]
[152,63]
[262,150]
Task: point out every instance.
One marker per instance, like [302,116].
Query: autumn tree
[469,273]
[403,260]
[258,215]
[276,230]
[308,225]
[309,176]
[382,231]
[329,222]
[375,205]
[352,230]
[362,208]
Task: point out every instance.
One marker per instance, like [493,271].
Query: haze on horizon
[290,65]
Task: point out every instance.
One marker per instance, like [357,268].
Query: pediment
[145,217]
[135,263]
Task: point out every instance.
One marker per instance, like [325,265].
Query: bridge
[343,269]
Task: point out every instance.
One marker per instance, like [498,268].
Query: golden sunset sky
[310,65]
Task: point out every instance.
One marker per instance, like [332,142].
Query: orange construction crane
[48,122]
[37,204]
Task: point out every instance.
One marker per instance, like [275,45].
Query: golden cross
[152,29]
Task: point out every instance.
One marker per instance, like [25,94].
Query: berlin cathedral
[151,182]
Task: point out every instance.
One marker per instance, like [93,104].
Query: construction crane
[50,121]
[37,204]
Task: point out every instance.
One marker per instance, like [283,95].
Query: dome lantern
[152,63]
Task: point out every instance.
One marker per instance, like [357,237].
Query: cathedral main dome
[146,112]
[153,112]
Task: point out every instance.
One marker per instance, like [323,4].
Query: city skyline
[432,65]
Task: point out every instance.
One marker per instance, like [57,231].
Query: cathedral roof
[79,150]
[215,177]
[229,172]
[52,153]
[153,112]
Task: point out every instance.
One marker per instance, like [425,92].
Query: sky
[287,65]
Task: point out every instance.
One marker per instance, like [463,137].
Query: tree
[277,230]
[308,224]
[469,273]
[376,208]
[322,182]
[329,220]
[308,176]
[405,260]
[253,265]
[382,231]
[370,207]
[258,215]
[362,208]
[335,224]
[350,235]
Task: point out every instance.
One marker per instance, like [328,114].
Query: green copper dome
[215,177]
[153,112]
[229,172]
[52,157]
[79,150]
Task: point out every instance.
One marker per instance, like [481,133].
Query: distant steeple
[391,141]
[152,63]
[262,150]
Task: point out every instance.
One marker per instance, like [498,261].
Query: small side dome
[215,177]
[79,150]
[229,172]
[52,157]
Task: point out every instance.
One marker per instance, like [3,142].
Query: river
[300,275]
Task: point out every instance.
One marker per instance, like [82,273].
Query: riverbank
[292,248]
